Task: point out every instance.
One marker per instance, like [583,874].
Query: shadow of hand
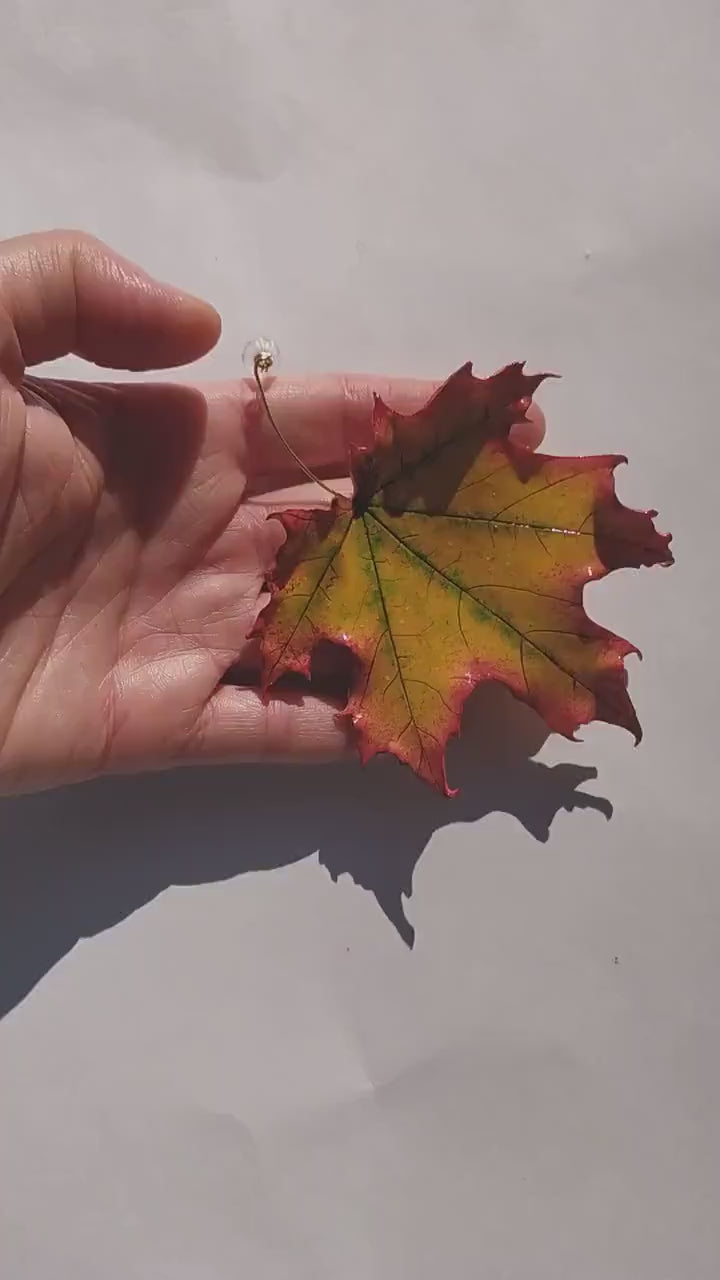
[126,840]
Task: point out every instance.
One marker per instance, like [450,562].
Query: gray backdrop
[219,1055]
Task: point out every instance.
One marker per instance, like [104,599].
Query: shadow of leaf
[77,861]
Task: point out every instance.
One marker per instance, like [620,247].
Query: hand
[134,541]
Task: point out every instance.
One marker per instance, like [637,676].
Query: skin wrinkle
[221,525]
[42,657]
[9,400]
[47,515]
[121,591]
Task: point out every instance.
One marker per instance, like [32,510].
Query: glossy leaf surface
[462,557]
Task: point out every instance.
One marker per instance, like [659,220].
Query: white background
[216,1061]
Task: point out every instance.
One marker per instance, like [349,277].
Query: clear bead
[261,354]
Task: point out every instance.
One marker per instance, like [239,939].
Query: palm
[133,540]
[130,571]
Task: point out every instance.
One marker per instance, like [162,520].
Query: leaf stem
[263,364]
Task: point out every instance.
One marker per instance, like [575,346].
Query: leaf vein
[498,616]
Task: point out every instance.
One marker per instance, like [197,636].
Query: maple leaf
[461,557]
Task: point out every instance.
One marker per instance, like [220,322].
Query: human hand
[134,540]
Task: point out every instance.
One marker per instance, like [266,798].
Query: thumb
[63,291]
